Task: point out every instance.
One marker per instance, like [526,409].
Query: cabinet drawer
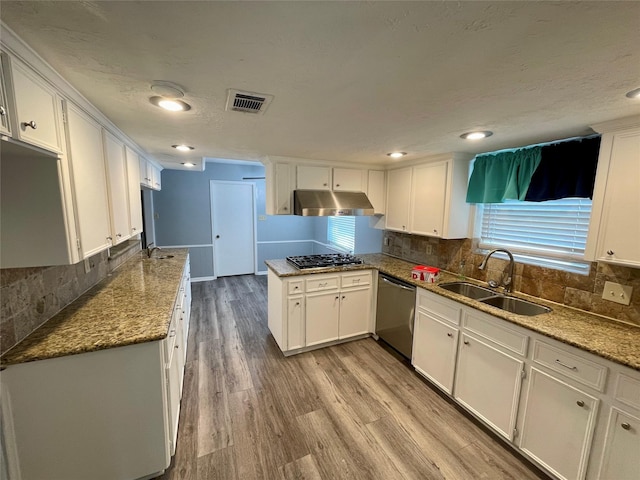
[355,279]
[322,283]
[628,390]
[441,307]
[492,329]
[580,369]
[295,286]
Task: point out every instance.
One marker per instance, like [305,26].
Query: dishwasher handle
[397,284]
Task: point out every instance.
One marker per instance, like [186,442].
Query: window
[551,234]
[341,232]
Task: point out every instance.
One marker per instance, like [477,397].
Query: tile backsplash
[574,290]
[31,296]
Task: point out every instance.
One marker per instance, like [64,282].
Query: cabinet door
[145,172]
[295,323]
[621,212]
[558,425]
[156,178]
[435,344]
[313,178]
[348,179]
[428,195]
[488,384]
[4,108]
[118,191]
[398,199]
[133,185]
[283,189]
[38,117]
[621,457]
[89,181]
[375,191]
[321,317]
[355,312]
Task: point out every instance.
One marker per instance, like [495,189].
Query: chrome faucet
[507,283]
[151,250]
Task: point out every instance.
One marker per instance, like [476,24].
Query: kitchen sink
[468,290]
[516,305]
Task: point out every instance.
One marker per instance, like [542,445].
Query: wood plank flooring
[351,411]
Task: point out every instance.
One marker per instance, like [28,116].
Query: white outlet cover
[614,292]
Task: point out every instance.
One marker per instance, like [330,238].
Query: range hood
[325,203]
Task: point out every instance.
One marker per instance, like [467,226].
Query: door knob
[31,124]
[217,236]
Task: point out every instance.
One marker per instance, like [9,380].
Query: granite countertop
[133,305]
[608,338]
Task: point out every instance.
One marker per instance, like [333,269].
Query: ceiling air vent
[248,102]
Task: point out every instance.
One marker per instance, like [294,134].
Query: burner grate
[326,260]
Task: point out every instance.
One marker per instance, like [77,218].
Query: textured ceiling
[351,80]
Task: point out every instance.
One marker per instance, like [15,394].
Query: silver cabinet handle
[466,342]
[570,367]
[31,124]
[626,426]
[337,184]
[343,297]
[449,335]
[397,284]
[172,333]
[610,252]
[297,304]
[580,403]
[109,238]
[3,112]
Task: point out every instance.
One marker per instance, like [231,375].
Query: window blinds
[341,232]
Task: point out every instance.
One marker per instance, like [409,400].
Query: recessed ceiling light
[170,104]
[397,154]
[183,148]
[476,135]
[635,93]
[188,164]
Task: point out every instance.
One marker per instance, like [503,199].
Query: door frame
[254,223]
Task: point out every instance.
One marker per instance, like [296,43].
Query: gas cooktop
[327,260]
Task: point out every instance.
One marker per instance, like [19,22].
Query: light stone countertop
[608,338]
[133,305]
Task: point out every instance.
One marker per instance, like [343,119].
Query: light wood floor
[352,411]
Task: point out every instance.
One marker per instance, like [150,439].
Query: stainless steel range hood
[324,203]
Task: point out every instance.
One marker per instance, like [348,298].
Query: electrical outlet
[156,216]
[429,249]
[87,265]
[386,241]
[262,218]
[615,292]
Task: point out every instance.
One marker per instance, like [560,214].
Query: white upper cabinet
[133,184]
[37,112]
[145,172]
[398,199]
[429,199]
[313,178]
[5,128]
[615,219]
[376,191]
[89,181]
[349,180]
[118,190]
[156,178]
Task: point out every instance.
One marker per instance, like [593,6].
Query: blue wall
[183,218]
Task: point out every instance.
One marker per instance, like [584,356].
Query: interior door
[233,222]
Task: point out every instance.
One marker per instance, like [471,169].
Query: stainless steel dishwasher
[395,312]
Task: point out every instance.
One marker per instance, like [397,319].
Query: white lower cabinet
[488,383]
[313,310]
[621,454]
[553,402]
[558,424]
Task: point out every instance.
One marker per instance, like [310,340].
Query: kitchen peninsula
[95,392]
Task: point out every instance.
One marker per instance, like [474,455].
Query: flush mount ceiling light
[396,154]
[188,164]
[167,96]
[183,148]
[476,135]
[170,104]
[635,93]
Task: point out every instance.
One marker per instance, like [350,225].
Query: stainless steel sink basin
[516,305]
[468,290]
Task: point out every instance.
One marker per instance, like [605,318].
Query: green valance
[505,175]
